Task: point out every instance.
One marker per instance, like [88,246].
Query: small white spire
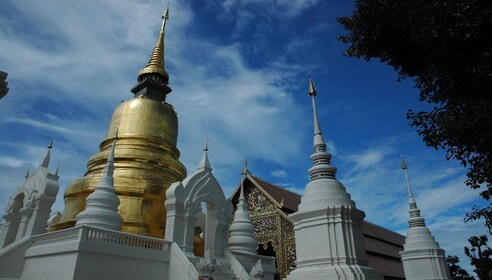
[27,173]
[421,252]
[46,160]
[322,167]
[241,232]
[404,166]
[102,205]
[241,194]
[204,162]
[109,168]
[318,135]
[415,219]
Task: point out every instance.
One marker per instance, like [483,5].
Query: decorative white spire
[319,141]
[327,212]
[422,257]
[204,162]
[415,219]
[241,232]
[46,160]
[28,171]
[419,236]
[322,167]
[102,205]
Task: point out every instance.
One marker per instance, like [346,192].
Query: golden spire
[156,61]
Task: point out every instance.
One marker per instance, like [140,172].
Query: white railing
[60,236]
[89,234]
[125,239]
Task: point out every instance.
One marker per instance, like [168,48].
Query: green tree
[445,46]
[456,271]
[481,258]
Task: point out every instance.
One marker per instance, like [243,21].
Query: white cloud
[11,161]
[279,173]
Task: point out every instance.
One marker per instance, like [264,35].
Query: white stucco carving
[29,207]
[183,201]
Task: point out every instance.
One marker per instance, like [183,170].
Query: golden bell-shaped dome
[146,157]
[146,163]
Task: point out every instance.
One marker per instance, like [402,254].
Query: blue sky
[239,74]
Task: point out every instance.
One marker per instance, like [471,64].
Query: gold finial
[166,13]
[403,163]
[312,89]
[156,61]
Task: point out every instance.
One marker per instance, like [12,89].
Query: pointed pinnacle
[46,160]
[109,168]
[28,170]
[245,170]
[166,13]
[404,166]
[204,162]
[403,163]
[312,89]
[156,61]
[206,145]
[241,194]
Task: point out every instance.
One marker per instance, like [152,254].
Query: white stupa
[102,205]
[422,258]
[241,232]
[328,226]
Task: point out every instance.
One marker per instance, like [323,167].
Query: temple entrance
[268,250]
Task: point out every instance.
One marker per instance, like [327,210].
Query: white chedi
[102,205]
[422,257]
[241,232]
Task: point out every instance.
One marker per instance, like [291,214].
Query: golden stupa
[146,157]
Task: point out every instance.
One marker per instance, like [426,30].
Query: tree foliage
[481,256]
[445,46]
[456,271]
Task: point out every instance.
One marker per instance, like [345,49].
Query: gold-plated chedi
[146,157]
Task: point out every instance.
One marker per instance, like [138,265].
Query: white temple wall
[12,259]
[90,253]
